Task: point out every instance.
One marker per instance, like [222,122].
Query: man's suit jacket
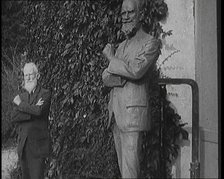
[32,122]
[129,77]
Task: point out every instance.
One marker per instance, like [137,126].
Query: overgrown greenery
[12,40]
[66,39]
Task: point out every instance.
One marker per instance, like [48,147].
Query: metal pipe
[195,165]
[161,126]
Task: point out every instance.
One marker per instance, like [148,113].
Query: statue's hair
[31,65]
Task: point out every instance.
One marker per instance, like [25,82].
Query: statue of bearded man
[128,75]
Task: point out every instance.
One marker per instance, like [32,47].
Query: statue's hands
[108,51]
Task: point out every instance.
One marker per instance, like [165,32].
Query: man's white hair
[31,65]
[139,4]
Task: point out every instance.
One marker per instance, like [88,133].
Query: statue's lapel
[123,51]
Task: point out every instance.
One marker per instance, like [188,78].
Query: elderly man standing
[31,116]
[128,75]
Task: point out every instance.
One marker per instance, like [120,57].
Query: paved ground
[9,161]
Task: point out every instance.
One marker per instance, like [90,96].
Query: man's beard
[30,86]
[129,29]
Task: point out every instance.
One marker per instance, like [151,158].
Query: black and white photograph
[105,89]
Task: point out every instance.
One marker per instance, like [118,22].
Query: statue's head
[131,16]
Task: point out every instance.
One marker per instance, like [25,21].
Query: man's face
[30,78]
[130,16]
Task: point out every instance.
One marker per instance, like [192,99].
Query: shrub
[10,85]
[13,40]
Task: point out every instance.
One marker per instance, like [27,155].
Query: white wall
[194,44]
[206,77]
[180,65]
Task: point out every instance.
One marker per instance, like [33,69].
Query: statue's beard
[129,29]
[30,86]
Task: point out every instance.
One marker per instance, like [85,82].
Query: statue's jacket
[129,98]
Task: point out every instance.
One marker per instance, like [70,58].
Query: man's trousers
[32,167]
[128,147]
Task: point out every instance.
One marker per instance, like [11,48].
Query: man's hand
[108,51]
[40,102]
[17,100]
